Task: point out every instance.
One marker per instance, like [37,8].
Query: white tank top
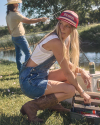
[40,54]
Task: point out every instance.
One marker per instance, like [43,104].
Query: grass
[12,99]
[87,27]
[6,42]
[88,32]
[32,38]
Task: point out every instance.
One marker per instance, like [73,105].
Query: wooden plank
[92,94]
[86,107]
[93,101]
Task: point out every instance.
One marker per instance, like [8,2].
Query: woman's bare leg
[61,90]
[56,91]
[56,75]
[57,83]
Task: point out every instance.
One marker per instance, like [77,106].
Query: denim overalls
[34,80]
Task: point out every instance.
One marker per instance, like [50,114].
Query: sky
[3,12]
[3,9]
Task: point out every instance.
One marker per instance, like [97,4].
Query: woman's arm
[30,21]
[78,70]
[84,75]
[57,47]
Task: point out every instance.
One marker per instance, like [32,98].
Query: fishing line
[56,17]
[84,55]
[54,10]
[50,5]
[58,12]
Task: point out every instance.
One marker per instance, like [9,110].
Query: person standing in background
[14,22]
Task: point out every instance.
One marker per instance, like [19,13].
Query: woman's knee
[70,89]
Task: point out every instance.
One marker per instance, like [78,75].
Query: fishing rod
[56,17]
[49,6]
[54,10]
[58,12]
[84,55]
[55,13]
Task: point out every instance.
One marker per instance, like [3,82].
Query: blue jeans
[33,80]
[21,43]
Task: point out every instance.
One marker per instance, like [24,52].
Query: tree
[52,8]
[95,15]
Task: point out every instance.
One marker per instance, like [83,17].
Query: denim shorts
[33,82]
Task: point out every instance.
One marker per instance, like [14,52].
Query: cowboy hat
[13,1]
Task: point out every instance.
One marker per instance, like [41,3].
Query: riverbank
[12,99]
[89,34]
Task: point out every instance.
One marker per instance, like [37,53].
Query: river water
[84,58]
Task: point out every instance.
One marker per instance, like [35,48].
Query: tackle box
[81,112]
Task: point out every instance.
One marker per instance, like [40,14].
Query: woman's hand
[43,19]
[86,78]
[87,98]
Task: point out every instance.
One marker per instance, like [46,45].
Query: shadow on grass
[45,115]
[6,62]
[16,73]
[12,76]
[22,120]
[65,116]
[13,120]
[10,91]
[9,78]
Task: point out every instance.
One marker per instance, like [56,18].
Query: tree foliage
[3,31]
[95,16]
[52,8]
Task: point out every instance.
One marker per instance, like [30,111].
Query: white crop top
[40,54]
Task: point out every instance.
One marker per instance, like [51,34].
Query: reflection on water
[8,55]
[92,57]
[11,55]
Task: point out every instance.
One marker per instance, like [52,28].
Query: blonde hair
[74,54]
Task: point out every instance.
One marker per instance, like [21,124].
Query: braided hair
[10,7]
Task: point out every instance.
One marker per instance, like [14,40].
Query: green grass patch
[87,27]
[12,99]
[6,41]
[90,33]
[87,32]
